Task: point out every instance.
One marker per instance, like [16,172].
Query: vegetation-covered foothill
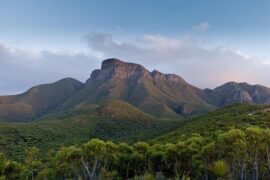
[229,143]
[234,154]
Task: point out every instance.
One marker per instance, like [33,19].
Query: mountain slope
[234,116]
[232,92]
[106,122]
[165,95]
[155,93]
[37,101]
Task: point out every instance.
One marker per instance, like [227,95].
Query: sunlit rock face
[232,92]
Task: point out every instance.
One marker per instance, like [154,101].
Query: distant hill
[160,95]
[37,101]
[114,120]
[232,92]
[234,116]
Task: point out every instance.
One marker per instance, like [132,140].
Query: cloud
[197,61]
[22,69]
[193,59]
[201,27]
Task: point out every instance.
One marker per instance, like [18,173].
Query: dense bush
[235,154]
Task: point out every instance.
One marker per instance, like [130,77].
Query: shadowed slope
[165,95]
[37,101]
[232,92]
[113,120]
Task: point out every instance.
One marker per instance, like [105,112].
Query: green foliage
[219,168]
[228,146]
[228,155]
[146,176]
[37,101]
[115,120]
[239,116]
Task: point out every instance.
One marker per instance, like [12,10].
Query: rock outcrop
[232,92]
[155,93]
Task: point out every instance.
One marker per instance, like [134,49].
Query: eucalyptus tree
[2,165]
[254,137]
[98,155]
[208,155]
[68,162]
[32,164]
[156,157]
[140,157]
[181,156]
[266,148]
[189,154]
[233,148]
[124,160]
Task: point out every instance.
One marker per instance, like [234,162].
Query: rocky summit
[155,93]
[232,92]
[165,95]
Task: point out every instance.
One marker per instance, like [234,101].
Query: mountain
[232,92]
[165,95]
[124,102]
[37,101]
[154,93]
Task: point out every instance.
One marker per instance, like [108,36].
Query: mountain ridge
[155,93]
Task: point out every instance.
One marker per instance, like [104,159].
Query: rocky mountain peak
[117,69]
[166,77]
[118,64]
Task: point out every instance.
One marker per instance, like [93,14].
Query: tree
[2,165]
[232,147]
[181,156]
[254,136]
[97,154]
[124,160]
[156,157]
[208,154]
[32,164]
[68,161]
[172,159]
[50,167]
[219,168]
[13,170]
[266,148]
[189,154]
[140,157]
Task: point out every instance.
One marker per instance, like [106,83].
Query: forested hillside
[126,122]
[113,120]
[233,154]
[229,143]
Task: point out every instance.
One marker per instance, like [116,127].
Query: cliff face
[113,69]
[153,92]
[161,94]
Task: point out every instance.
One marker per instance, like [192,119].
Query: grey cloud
[194,60]
[20,70]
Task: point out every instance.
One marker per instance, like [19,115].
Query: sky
[207,42]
